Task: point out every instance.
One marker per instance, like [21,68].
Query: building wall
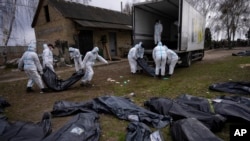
[13,52]
[60,28]
[124,43]
[123,40]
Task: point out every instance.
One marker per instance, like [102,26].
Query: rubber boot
[29,90]
[44,90]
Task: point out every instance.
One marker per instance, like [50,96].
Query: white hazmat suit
[76,55]
[159,55]
[30,63]
[134,53]
[157,31]
[47,57]
[172,59]
[88,63]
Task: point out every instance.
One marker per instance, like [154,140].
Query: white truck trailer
[183,28]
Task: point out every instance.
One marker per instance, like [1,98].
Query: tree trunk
[9,31]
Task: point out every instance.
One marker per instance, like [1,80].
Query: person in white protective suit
[158,28]
[159,55]
[48,56]
[30,63]
[88,63]
[76,55]
[172,59]
[134,53]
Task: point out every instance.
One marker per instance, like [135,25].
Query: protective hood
[140,44]
[165,46]
[32,47]
[45,46]
[137,46]
[95,49]
[159,44]
[71,49]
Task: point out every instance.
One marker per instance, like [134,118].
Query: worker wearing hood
[134,53]
[76,55]
[157,31]
[88,63]
[48,56]
[172,59]
[30,63]
[159,55]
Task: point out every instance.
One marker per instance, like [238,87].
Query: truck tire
[187,59]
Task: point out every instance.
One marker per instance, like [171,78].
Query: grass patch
[194,80]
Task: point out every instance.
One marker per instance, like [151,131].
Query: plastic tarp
[232,87]
[242,53]
[3,104]
[53,82]
[144,65]
[138,131]
[179,111]
[232,110]
[82,127]
[121,107]
[239,99]
[191,129]
[66,108]
[125,109]
[25,131]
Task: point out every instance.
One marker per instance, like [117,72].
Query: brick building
[67,24]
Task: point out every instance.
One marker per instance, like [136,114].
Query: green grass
[194,80]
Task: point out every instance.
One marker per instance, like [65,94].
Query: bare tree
[7,28]
[230,13]
[206,7]
[15,15]
[127,8]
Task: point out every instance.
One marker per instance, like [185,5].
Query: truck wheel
[187,60]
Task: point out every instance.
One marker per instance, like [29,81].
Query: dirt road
[210,55]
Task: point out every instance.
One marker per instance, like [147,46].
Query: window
[46,12]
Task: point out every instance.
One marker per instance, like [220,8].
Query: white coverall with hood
[172,59]
[47,57]
[157,32]
[30,63]
[134,53]
[159,55]
[88,62]
[76,55]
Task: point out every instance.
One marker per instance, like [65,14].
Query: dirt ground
[36,104]
[210,55]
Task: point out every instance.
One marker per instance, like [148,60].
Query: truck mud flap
[144,65]
[53,82]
